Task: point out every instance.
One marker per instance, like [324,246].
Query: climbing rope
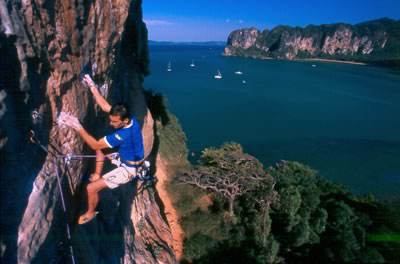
[71,250]
[64,207]
[67,157]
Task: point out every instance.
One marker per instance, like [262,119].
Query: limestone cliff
[372,41]
[44,48]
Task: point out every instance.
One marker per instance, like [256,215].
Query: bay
[340,119]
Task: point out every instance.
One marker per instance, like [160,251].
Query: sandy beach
[297,59]
[336,61]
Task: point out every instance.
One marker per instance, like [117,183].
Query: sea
[342,120]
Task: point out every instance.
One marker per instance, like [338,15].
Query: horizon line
[187,41]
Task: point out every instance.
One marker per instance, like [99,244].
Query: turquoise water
[342,120]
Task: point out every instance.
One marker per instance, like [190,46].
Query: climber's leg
[99,166]
[93,190]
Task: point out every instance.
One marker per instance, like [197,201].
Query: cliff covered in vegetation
[235,211]
[376,41]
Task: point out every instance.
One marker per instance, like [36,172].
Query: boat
[218,75]
[243,81]
[169,67]
[238,72]
[314,65]
[192,64]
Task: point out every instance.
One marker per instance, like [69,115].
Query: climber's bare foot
[83,219]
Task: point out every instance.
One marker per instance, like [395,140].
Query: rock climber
[127,139]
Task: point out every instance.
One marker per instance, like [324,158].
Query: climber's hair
[121,110]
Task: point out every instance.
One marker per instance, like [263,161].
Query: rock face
[45,46]
[243,38]
[377,40]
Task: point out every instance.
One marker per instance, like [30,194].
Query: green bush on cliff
[170,139]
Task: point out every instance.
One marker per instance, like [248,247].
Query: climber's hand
[114,158]
[116,162]
[113,155]
[69,120]
[87,80]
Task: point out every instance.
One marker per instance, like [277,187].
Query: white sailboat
[218,75]
[238,72]
[169,67]
[192,64]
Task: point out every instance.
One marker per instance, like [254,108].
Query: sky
[213,20]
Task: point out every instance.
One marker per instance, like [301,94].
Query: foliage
[226,171]
[198,245]
[157,105]
[250,188]
[319,221]
[184,197]
[171,140]
[297,212]
[294,217]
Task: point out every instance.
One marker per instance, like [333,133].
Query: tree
[226,171]
[318,221]
[297,219]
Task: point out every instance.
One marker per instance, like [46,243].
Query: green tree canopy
[287,213]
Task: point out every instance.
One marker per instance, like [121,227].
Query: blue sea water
[340,119]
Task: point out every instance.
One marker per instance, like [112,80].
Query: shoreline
[336,61]
[296,59]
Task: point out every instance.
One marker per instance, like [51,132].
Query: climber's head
[119,115]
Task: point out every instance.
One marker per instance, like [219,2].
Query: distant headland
[372,42]
[190,43]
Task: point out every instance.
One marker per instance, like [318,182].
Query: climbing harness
[143,172]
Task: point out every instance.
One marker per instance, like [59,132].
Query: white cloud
[155,22]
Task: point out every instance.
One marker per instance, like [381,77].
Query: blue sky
[204,20]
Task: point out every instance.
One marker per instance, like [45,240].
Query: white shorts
[119,176]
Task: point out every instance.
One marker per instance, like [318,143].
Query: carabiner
[32,137]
